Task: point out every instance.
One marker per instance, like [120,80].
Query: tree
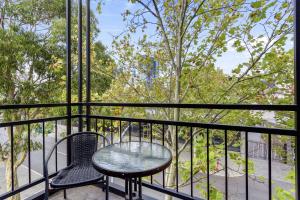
[190,36]
[32,70]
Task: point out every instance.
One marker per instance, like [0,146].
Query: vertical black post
[247,165]
[191,169]
[177,175]
[88,65]
[29,153]
[207,164]
[226,166]
[44,145]
[163,143]
[80,63]
[270,165]
[69,68]
[12,157]
[56,165]
[297,93]
[151,140]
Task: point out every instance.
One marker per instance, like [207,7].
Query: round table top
[132,159]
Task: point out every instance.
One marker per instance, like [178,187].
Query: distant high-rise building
[151,72]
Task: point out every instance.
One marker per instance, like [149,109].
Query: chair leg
[46,197]
[65,194]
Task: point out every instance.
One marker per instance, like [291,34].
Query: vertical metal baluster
[129,131]
[44,154]
[140,130]
[191,143]
[151,134]
[12,157]
[120,130]
[151,139]
[96,129]
[56,166]
[270,165]
[111,132]
[96,124]
[177,175]
[226,167]
[207,163]
[29,153]
[247,175]
[163,143]
[103,129]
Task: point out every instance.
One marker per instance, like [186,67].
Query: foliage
[32,69]
[189,38]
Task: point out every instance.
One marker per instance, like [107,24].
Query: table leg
[107,188]
[130,189]
[135,184]
[126,187]
[140,189]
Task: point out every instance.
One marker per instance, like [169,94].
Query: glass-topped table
[131,160]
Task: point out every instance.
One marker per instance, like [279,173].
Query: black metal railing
[108,125]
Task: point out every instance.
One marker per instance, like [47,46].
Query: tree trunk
[171,176]
[8,172]
[9,179]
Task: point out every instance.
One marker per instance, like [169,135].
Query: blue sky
[111,23]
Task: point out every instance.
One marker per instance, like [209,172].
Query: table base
[133,189]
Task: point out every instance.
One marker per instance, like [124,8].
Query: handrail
[273,131]
[269,107]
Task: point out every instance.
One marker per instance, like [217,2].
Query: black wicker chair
[81,171]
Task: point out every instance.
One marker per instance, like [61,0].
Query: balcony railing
[161,126]
[126,128]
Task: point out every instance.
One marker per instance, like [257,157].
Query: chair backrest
[83,147]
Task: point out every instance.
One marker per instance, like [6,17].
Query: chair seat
[74,176]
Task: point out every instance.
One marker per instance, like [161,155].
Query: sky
[111,23]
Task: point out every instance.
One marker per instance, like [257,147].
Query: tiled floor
[84,193]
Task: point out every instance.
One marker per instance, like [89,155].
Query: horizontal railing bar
[32,121]
[203,106]
[286,107]
[24,106]
[25,187]
[274,131]
[171,192]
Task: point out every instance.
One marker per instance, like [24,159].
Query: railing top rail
[273,131]
[24,106]
[269,107]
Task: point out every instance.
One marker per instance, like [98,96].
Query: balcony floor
[84,193]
